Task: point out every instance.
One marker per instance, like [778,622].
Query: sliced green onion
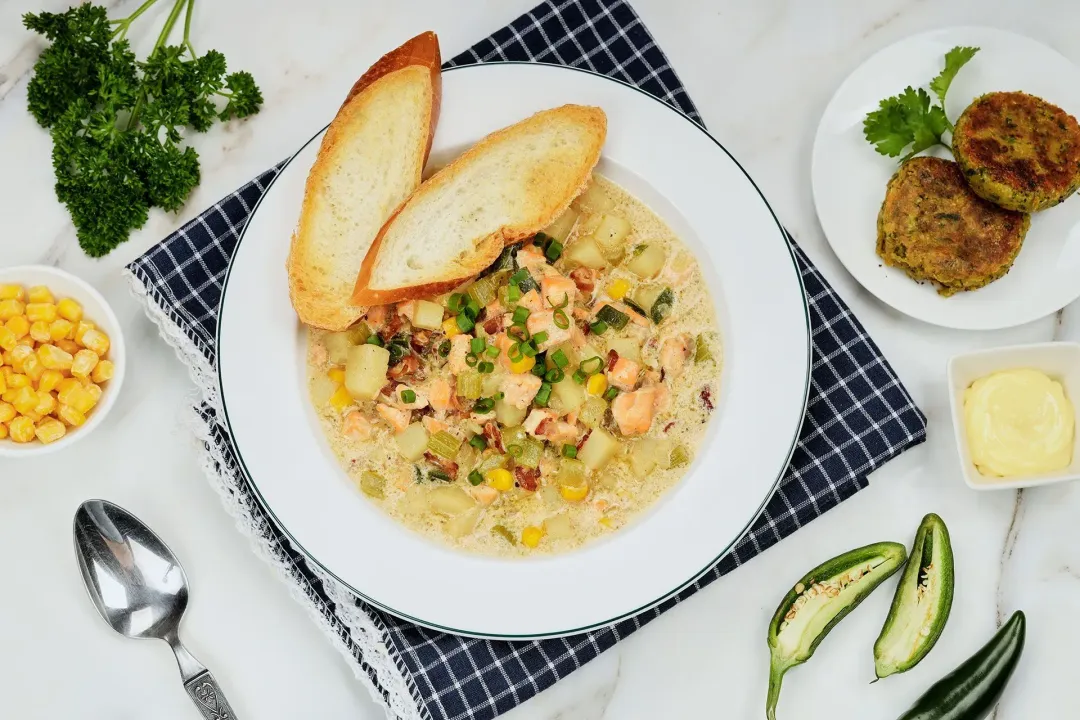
[564,303]
[579,377]
[540,337]
[521,314]
[492,351]
[444,348]
[486,367]
[499,395]
[559,358]
[513,293]
[519,276]
[613,317]
[514,353]
[455,303]
[471,308]
[553,251]
[569,451]
[528,349]
[475,478]
[477,345]
[483,405]
[561,320]
[464,323]
[514,450]
[479,442]
[408,396]
[374,339]
[543,395]
[471,359]
[610,393]
[599,327]
[539,370]
[554,375]
[592,365]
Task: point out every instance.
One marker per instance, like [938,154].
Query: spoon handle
[207,696]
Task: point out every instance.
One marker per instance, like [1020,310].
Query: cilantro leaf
[955,59]
[910,121]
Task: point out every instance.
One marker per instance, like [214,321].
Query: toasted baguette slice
[370,160]
[506,188]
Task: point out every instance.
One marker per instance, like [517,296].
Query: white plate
[688,178]
[849,177]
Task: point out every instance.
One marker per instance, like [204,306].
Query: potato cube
[365,371]
[50,430]
[39,331]
[59,329]
[7,412]
[8,339]
[104,370]
[40,311]
[11,308]
[21,429]
[83,363]
[18,325]
[71,416]
[53,358]
[49,380]
[70,310]
[40,294]
[68,345]
[98,341]
[12,292]
[25,400]
[46,404]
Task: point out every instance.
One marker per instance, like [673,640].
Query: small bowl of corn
[61,359]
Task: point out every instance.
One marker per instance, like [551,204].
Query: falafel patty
[935,228]
[1018,151]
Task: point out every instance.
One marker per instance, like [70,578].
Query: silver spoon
[141,591]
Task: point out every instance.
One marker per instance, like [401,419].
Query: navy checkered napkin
[859,415]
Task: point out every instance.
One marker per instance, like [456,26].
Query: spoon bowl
[140,590]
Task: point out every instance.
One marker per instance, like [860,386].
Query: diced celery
[531,450]
[470,384]
[373,484]
[680,456]
[444,444]
[505,534]
[484,290]
[702,351]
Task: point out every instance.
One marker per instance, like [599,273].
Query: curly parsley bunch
[118,124]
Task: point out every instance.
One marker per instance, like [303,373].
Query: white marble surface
[761,73]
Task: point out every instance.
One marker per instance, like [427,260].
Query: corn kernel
[8,339]
[450,327]
[40,311]
[3,385]
[500,479]
[18,325]
[59,329]
[530,536]
[95,340]
[341,399]
[49,380]
[67,345]
[69,310]
[53,358]
[39,331]
[574,493]
[94,390]
[618,289]
[66,384]
[81,328]
[71,416]
[25,400]
[3,431]
[32,368]
[46,404]
[11,308]
[104,370]
[21,429]
[336,374]
[524,365]
[40,294]
[50,430]
[596,384]
[19,353]
[12,292]
[17,381]
[83,363]
[7,412]
[79,399]
[606,522]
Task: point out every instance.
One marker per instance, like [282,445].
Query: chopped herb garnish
[539,370]
[464,323]
[455,303]
[408,396]
[475,478]
[579,377]
[513,293]
[471,359]
[554,375]
[569,451]
[374,339]
[514,353]
[477,345]
[553,250]
[543,395]
[486,367]
[559,358]
[540,337]
[492,351]
[521,314]
[479,442]
[592,365]
[528,349]
[436,474]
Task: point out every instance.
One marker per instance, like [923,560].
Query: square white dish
[1059,360]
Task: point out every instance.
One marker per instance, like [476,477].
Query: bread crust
[313,305]
[487,248]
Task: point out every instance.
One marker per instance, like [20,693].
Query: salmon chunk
[674,353]
[441,396]
[558,290]
[537,417]
[633,411]
[459,348]
[624,374]
[559,432]
[532,258]
[544,321]
[519,390]
[356,426]
[398,419]
[532,301]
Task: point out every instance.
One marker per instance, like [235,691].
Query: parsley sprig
[910,120]
[117,124]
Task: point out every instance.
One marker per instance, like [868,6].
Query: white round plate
[689,179]
[849,177]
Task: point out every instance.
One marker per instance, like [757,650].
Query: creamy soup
[547,402]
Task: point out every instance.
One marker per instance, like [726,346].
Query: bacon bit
[420,342]
[612,358]
[494,436]
[387,390]
[527,478]
[394,323]
[447,466]
[493,325]
[585,279]
[584,438]
[669,426]
[543,427]
[406,368]
[706,397]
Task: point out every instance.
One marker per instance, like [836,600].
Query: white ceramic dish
[1059,360]
[690,180]
[95,309]
[849,177]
